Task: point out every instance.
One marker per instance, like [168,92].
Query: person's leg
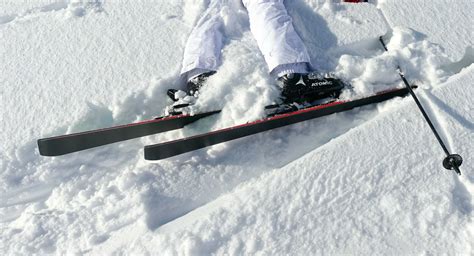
[285,52]
[272,27]
[203,48]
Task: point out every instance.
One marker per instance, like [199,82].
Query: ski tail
[65,144]
[180,146]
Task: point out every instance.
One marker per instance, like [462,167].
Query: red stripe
[269,119]
[120,126]
[282,116]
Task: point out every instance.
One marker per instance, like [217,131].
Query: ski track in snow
[462,200]
[113,201]
[447,118]
[464,188]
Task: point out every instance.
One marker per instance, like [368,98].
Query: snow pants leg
[272,28]
[203,48]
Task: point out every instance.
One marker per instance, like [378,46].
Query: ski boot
[307,87]
[304,90]
[183,99]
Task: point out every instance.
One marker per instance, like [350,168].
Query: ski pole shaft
[425,115]
[452,161]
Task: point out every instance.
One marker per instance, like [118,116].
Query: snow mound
[444,22]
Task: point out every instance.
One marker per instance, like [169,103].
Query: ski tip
[44,149]
[55,147]
[151,153]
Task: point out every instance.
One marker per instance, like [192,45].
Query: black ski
[65,144]
[180,146]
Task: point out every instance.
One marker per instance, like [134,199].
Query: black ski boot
[307,87]
[192,87]
[184,99]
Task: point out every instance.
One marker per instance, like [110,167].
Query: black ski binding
[172,94]
[177,109]
[278,109]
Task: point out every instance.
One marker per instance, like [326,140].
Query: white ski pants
[271,26]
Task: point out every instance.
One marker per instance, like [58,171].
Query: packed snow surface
[367,181]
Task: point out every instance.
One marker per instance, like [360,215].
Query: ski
[188,144]
[69,143]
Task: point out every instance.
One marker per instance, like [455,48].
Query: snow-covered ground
[367,181]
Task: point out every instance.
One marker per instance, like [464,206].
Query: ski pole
[451,161]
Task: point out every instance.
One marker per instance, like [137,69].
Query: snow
[367,181]
[445,22]
[304,207]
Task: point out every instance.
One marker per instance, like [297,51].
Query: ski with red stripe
[69,143]
[188,144]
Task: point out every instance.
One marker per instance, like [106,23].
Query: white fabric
[273,29]
[195,72]
[284,69]
[271,26]
[203,48]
